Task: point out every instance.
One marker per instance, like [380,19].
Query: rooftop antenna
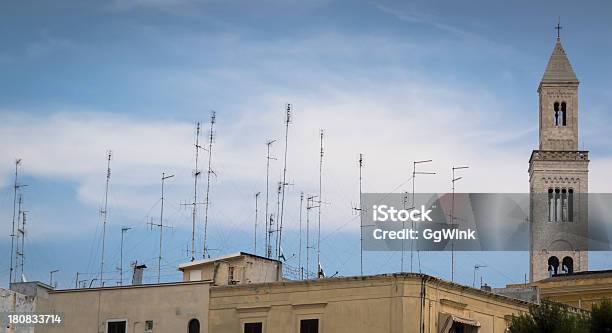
[268,158]
[270,224]
[51,277]
[452,218]
[16,188]
[255,230]
[195,203]
[278,196]
[300,245]
[104,213]
[284,183]
[414,173]
[19,252]
[123,231]
[359,210]
[405,199]
[309,205]
[161,225]
[319,210]
[477,267]
[208,173]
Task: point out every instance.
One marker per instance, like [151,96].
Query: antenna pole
[309,205]
[123,231]
[280,230]
[196,174]
[255,230]
[21,221]
[268,158]
[414,173]
[15,189]
[319,210]
[161,225]
[360,215]
[452,219]
[105,215]
[210,171]
[300,245]
[278,194]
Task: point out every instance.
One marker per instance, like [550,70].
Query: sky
[450,81]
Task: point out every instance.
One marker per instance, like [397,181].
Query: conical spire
[559,69]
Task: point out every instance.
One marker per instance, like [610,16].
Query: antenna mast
[19,252]
[123,231]
[360,215]
[210,142]
[319,210]
[268,158]
[16,187]
[300,247]
[161,224]
[284,183]
[309,205]
[196,174]
[104,213]
[255,233]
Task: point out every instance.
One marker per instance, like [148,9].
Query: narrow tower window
[564,206]
[570,205]
[557,205]
[557,110]
[563,114]
[551,205]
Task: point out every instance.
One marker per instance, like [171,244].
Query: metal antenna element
[104,213]
[319,210]
[477,267]
[452,218]
[20,241]
[209,172]
[360,210]
[16,187]
[268,158]
[278,195]
[414,173]
[195,203]
[300,245]
[51,276]
[161,225]
[309,205]
[255,229]
[284,182]
[123,231]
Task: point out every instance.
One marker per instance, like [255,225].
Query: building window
[551,205]
[570,206]
[553,266]
[194,326]
[309,326]
[118,326]
[230,275]
[148,326]
[560,114]
[253,327]
[568,265]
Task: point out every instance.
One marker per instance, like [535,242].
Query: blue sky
[398,81]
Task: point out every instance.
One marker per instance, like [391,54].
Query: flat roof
[225,257]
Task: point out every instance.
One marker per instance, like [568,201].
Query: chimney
[138,272]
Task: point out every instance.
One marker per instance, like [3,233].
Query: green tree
[601,317]
[550,317]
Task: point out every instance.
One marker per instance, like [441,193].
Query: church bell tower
[558,177]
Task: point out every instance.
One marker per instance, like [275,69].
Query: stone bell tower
[558,177]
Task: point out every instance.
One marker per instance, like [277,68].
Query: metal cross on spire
[558,28]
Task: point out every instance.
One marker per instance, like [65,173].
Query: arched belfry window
[194,326]
[568,265]
[560,114]
[553,266]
